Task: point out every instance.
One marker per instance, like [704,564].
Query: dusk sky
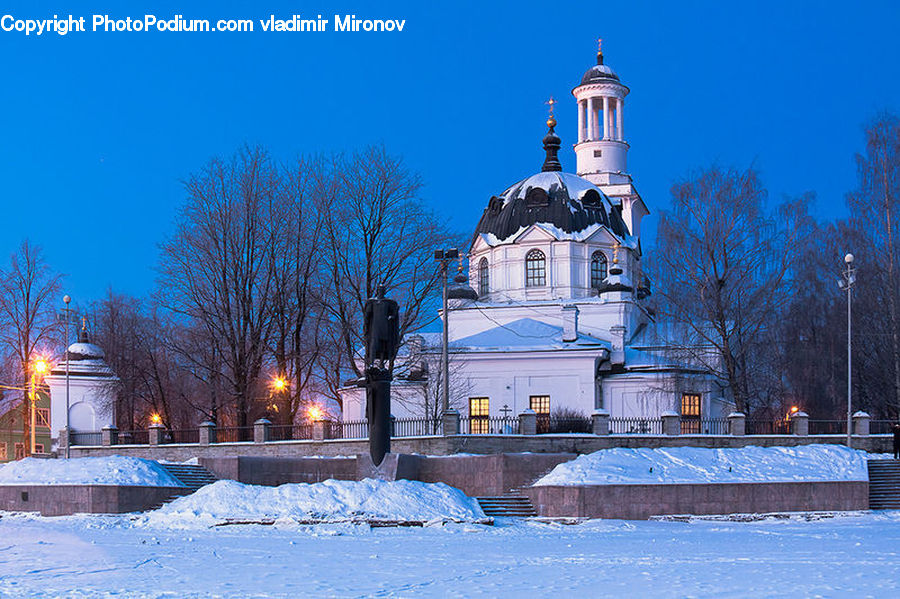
[99,129]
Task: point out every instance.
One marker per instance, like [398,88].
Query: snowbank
[330,500]
[112,470]
[702,465]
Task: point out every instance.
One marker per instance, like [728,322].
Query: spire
[599,50]
[551,143]
[83,333]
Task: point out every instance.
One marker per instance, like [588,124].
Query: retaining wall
[639,502]
[63,500]
[478,444]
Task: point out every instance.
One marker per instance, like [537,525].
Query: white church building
[555,317]
[88,389]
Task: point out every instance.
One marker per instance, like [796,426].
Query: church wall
[89,405]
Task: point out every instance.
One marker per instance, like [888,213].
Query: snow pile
[405,500]
[111,470]
[703,465]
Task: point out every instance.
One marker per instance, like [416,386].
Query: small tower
[90,389]
[601,152]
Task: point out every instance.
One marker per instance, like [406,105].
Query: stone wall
[63,500]
[478,444]
[481,475]
[639,502]
[274,471]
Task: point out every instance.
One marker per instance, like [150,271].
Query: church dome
[85,351]
[599,73]
[563,200]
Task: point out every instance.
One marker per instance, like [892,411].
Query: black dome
[563,200]
[599,73]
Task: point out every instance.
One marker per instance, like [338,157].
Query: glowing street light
[279,383]
[314,412]
[38,369]
[155,418]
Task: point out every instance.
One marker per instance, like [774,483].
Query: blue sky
[99,129]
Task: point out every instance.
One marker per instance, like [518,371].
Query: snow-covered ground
[329,500]
[116,556]
[704,465]
[111,470]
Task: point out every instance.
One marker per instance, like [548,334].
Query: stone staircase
[884,484]
[192,476]
[509,505]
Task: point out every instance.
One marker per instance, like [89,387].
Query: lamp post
[849,278]
[66,300]
[444,257]
[38,368]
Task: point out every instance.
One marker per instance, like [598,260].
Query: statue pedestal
[394,466]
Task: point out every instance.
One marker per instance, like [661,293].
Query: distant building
[90,389]
[14,445]
[556,315]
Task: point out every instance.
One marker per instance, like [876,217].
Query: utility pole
[444,257]
[66,300]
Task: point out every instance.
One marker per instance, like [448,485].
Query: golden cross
[84,323]
[599,44]
[550,103]
[616,253]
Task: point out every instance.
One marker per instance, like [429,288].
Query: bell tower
[601,152]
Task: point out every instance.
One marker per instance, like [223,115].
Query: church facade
[554,315]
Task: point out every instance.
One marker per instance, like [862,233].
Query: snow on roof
[675,465]
[525,333]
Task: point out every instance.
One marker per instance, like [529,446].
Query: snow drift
[111,470]
[401,500]
[806,463]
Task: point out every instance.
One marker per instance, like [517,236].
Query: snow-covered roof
[85,351]
[566,202]
[525,334]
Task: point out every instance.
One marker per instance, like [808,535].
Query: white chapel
[555,317]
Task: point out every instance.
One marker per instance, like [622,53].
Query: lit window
[3,451]
[598,269]
[540,405]
[479,415]
[535,269]
[484,283]
[690,413]
[20,451]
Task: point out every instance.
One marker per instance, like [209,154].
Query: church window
[598,269]
[484,283]
[690,413]
[535,269]
[598,153]
[540,405]
[479,415]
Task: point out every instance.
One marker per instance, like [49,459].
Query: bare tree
[217,271]
[720,269]
[28,323]
[375,231]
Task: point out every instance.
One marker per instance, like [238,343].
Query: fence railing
[635,426]
[767,427]
[188,435]
[85,438]
[483,425]
[234,434]
[351,429]
[881,427]
[827,427]
[137,437]
[415,427]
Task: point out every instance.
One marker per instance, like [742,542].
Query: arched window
[535,269]
[484,283]
[598,268]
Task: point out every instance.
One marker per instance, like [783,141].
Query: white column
[605,117]
[619,106]
[581,122]
[590,118]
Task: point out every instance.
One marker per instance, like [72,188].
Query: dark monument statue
[382,331]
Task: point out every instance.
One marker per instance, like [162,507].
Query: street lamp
[849,278]
[444,257]
[38,369]
[66,300]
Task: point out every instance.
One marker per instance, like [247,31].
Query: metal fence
[635,426]
[415,427]
[767,427]
[351,429]
[827,427]
[138,437]
[881,427]
[234,434]
[481,425]
[85,438]
[188,435]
